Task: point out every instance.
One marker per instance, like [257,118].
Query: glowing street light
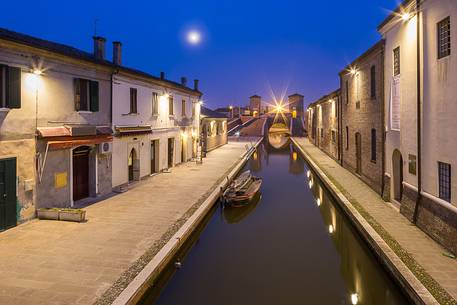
[318,201]
[194,37]
[331,229]
[353,71]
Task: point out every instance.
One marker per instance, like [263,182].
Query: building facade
[296,105]
[155,125]
[323,123]
[255,105]
[213,126]
[362,110]
[420,121]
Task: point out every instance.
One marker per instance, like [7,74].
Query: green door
[7,193]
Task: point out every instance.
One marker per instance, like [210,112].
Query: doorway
[81,173]
[397,171]
[171,147]
[7,193]
[133,166]
[154,156]
[358,153]
[183,151]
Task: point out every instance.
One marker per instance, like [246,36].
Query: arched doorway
[397,173]
[81,172]
[358,153]
[133,165]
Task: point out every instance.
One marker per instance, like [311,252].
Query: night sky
[247,47]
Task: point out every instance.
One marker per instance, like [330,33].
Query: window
[183,107]
[397,61]
[412,164]
[373,82]
[347,92]
[10,87]
[322,133]
[444,176]
[86,95]
[333,136]
[155,103]
[373,145]
[347,138]
[133,100]
[193,109]
[170,105]
[444,38]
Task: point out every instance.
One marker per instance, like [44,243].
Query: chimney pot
[184,81]
[117,53]
[196,84]
[162,75]
[99,47]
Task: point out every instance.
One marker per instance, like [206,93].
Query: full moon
[194,37]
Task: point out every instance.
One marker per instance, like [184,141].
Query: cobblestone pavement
[425,250]
[51,262]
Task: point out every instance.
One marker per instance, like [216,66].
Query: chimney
[196,84]
[162,75]
[184,81]
[117,53]
[99,47]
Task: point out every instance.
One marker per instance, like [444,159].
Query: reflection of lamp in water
[331,230]
[294,156]
[354,298]
[254,155]
[318,201]
[310,183]
[308,173]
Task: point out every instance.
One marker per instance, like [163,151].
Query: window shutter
[94,101]
[77,82]
[13,93]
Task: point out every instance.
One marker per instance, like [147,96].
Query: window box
[48,214]
[75,215]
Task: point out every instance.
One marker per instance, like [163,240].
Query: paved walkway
[425,251]
[51,262]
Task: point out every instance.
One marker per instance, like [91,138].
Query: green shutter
[94,96]
[13,93]
[77,83]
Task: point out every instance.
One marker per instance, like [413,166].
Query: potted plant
[51,214]
[76,215]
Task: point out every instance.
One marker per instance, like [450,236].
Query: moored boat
[243,196]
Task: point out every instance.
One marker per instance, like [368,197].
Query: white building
[420,105]
[155,123]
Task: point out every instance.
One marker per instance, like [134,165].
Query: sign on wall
[395,103]
[60,180]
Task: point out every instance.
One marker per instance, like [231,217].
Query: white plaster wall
[402,34]
[440,97]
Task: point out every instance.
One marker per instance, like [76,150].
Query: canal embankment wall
[404,277]
[145,279]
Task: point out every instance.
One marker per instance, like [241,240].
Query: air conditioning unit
[105,148]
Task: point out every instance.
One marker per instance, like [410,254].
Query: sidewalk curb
[415,290]
[140,284]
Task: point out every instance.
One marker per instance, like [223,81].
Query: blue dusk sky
[247,47]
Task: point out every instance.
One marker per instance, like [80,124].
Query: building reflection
[296,163]
[358,265]
[232,215]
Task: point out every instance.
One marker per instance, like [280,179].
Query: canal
[293,245]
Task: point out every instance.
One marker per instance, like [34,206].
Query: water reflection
[234,215]
[278,140]
[292,246]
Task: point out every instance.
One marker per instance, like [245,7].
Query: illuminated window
[155,103]
[444,181]
[444,37]
[397,61]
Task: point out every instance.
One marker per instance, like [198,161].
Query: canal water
[293,245]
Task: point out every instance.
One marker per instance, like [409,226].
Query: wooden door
[81,173]
[7,193]
[154,156]
[358,152]
[171,147]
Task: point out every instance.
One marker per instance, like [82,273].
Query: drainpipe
[111,96]
[419,116]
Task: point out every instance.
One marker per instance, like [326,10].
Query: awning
[73,131]
[78,141]
[132,130]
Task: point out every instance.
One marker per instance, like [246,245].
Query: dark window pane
[133,100]
[444,181]
[444,37]
[397,61]
[373,82]
[373,145]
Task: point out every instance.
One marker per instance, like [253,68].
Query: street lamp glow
[405,16]
[353,71]
[318,201]
[308,173]
[331,230]
[194,37]
[37,71]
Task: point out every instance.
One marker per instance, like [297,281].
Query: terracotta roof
[72,52]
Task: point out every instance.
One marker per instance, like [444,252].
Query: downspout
[419,116]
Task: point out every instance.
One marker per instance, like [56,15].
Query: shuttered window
[397,61]
[133,100]
[170,105]
[183,108]
[373,81]
[86,95]
[10,87]
[444,182]
[155,103]
[444,38]
[373,145]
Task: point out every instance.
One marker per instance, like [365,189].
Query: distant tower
[255,102]
[296,106]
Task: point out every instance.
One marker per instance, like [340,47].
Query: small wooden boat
[243,196]
[242,180]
